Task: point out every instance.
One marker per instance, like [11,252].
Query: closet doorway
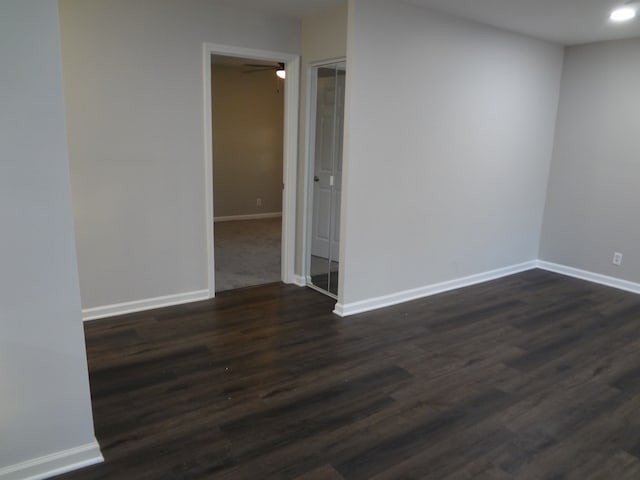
[325,182]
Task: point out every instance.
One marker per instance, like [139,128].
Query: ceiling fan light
[281,73]
[623,14]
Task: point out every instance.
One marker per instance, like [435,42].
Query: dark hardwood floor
[534,376]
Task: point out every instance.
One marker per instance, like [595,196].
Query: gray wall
[594,195]
[134,103]
[448,142]
[44,401]
[248,121]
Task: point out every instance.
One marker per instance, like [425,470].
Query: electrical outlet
[617,258]
[258,202]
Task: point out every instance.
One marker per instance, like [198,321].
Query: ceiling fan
[278,68]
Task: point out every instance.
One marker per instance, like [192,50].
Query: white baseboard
[54,464]
[344,310]
[299,280]
[141,305]
[590,276]
[255,216]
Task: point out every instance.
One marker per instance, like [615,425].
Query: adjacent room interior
[248,130]
[476,163]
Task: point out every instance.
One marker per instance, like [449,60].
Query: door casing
[290,144]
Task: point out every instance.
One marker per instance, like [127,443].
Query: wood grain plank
[532,376]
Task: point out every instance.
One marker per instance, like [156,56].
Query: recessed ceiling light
[623,14]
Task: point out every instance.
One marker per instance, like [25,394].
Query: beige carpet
[247,253]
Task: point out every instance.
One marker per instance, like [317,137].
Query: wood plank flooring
[534,376]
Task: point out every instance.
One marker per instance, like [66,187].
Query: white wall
[134,102]
[593,195]
[323,37]
[448,143]
[44,401]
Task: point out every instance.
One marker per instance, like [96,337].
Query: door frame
[290,151]
[309,162]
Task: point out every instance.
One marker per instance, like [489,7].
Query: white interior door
[327,181]
[337,187]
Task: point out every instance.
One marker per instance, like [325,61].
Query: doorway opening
[326,128]
[251,118]
[248,136]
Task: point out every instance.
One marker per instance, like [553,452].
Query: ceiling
[568,22]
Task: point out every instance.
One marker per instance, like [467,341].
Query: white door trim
[309,159]
[290,159]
